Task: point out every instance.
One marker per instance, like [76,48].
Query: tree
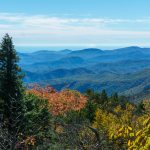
[11,89]
[114,97]
[38,124]
[104,97]
[140,108]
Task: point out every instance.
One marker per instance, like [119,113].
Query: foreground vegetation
[44,119]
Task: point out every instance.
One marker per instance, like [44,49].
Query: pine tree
[11,88]
[104,96]
[115,97]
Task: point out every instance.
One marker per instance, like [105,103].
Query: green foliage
[89,110]
[10,73]
[97,98]
[38,121]
[140,108]
[11,89]
[104,96]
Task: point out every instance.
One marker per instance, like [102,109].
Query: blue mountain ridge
[125,70]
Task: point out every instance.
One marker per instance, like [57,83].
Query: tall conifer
[11,88]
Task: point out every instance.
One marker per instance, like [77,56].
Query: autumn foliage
[60,102]
[124,128]
[120,126]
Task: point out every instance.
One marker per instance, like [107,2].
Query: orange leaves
[30,141]
[60,102]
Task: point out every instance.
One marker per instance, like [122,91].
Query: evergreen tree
[89,92]
[104,97]
[140,108]
[11,89]
[115,97]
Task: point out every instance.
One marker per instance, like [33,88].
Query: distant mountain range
[125,70]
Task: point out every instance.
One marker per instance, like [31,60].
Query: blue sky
[76,23]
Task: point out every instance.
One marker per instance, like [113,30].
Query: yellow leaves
[131,134]
[30,140]
[139,132]
[59,129]
[118,109]
[147,145]
[130,107]
[129,128]
[141,138]
[111,135]
[105,121]
[121,129]
[129,143]
[125,128]
[126,131]
[146,122]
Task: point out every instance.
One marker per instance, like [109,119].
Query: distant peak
[130,48]
[133,47]
[66,50]
[92,49]
[88,50]
[42,51]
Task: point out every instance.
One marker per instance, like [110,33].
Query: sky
[74,24]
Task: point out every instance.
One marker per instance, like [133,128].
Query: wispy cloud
[40,30]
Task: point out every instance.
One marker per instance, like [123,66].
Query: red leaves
[60,102]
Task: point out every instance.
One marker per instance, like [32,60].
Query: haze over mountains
[125,70]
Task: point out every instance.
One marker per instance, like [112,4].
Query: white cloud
[40,30]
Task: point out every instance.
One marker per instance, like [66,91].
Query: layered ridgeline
[125,70]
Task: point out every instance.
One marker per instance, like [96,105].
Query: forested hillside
[124,70]
[42,118]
